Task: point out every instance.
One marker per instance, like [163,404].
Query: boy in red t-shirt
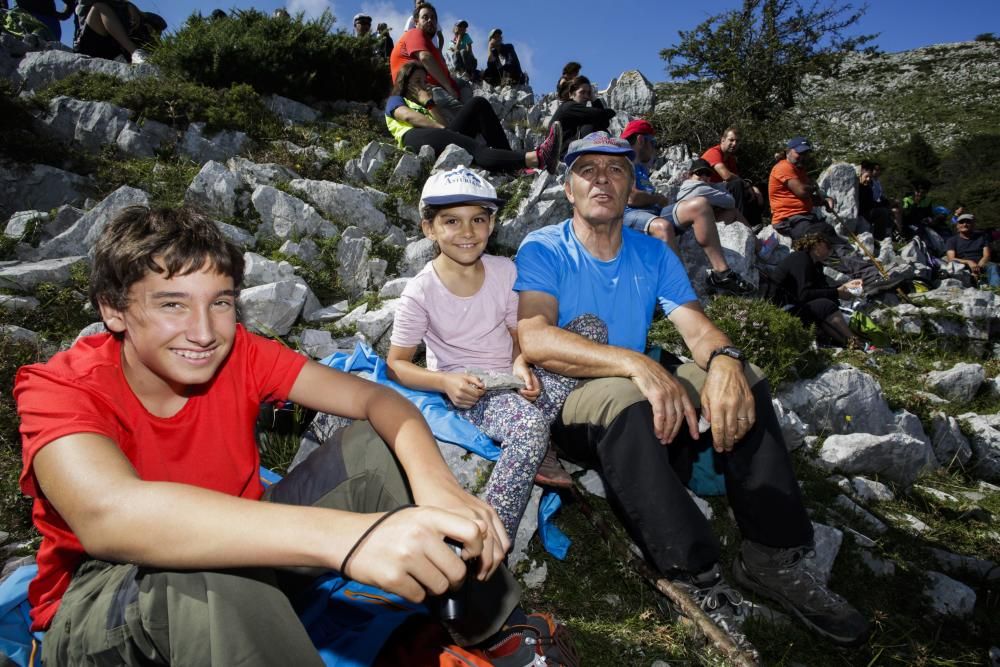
[139,451]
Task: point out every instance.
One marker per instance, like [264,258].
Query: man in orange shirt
[793,194]
[793,197]
[418,44]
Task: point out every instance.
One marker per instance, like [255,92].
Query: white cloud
[311,8]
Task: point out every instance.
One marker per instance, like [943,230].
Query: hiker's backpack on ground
[866,327]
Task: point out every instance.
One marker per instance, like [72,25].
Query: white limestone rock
[949,597]
[273,308]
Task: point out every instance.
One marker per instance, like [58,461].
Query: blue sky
[610,37]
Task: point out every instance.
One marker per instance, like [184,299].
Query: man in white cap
[362,25]
[638,419]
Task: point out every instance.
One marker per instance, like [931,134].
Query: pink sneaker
[548,151]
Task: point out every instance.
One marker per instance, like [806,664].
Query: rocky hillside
[943,92]
[875,101]
[899,454]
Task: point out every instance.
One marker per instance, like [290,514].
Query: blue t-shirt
[643,184]
[623,291]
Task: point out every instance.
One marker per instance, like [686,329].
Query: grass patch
[165,180]
[20,141]
[15,508]
[771,338]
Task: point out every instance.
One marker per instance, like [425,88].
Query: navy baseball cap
[799,144]
[598,142]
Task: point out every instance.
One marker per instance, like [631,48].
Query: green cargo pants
[122,614]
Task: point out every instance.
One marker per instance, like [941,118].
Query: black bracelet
[347,558]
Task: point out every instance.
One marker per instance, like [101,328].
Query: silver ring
[742,419]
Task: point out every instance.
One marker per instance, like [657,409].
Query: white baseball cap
[458,186]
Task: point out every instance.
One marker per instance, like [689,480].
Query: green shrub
[15,508]
[174,101]
[771,338]
[296,58]
[18,139]
[166,181]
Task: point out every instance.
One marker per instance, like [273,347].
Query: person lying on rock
[463,307]
[115,28]
[159,543]
[699,184]
[650,212]
[415,120]
[637,420]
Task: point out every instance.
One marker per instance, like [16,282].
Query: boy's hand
[463,390]
[452,497]
[407,554]
[532,387]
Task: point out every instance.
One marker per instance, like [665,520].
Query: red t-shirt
[714,156]
[784,202]
[408,46]
[209,443]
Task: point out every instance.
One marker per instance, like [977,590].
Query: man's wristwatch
[729,351]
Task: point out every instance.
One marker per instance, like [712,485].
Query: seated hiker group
[160,544]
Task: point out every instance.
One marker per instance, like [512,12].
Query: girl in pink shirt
[462,305]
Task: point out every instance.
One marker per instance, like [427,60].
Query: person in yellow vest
[415,121]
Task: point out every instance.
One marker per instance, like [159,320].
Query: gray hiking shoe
[782,576]
[728,282]
[722,603]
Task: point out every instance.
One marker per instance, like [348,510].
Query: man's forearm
[566,353]
[442,77]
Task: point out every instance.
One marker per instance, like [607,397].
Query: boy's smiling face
[177,332]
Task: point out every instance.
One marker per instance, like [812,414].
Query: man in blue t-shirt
[637,419]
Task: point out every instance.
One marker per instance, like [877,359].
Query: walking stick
[878,265]
[718,637]
[857,242]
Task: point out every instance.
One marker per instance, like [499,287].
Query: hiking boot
[551,473]
[721,602]
[540,640]
[781,575]
[548,151]
[140,56]
[728,282]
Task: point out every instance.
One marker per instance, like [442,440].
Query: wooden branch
[721,641]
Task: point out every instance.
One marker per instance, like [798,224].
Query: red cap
[637,126]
